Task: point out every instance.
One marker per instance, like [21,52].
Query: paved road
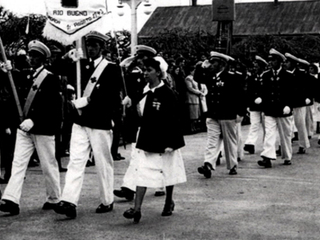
[278,203]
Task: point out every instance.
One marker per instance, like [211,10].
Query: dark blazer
[304,85]
[225,98]
[277,93]
[104,100]
[254,90]
[160,126]
[45,110]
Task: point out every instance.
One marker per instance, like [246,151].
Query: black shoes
[287,162]
[49,206]
[62,169]
[233,171]
[206,170]
[131,213]
[104,208]
[118,157]
[66,208]
[301,150]
[124,193]
[159,193]
[266,162]
[249,148]
[10,207]
[168,209]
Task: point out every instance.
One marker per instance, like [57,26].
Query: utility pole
[224,14]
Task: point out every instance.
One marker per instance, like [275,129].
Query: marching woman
[159,139]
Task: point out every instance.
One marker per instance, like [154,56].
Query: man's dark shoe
[63,169]
[124,193]
[233,171]
[159,193]
[249,148]
[266,162]
[66,208]
[206,170]
[49,206]
[319,141]
[10,207]
[3,181]
[287,162]
[104,208]
[301,150]
[118,157]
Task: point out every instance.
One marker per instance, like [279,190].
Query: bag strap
[95,77]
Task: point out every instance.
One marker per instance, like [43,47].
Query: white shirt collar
[277,71]
[38,70]
[147,87]
[97,61]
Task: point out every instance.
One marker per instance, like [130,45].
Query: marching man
[42,119]
[101,81]
[277,102]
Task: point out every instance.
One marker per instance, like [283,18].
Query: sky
[117,22]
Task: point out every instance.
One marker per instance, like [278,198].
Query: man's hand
[127,101]
[6,66]
[26,125]
[308,101]
[75,54]
[168,150]
[80,102]
[286,110]
[258,100]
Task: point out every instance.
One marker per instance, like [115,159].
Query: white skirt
[157,170]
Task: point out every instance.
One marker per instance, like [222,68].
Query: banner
[69,20]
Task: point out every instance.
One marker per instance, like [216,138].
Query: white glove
[26,125]
[239,119]
[7,66]
[286,110]
[168,150]
[80,102]
[75,54]
[308,101]
[258,100]
[127,101]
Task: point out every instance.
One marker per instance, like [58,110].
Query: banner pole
[13,87]
[78,45]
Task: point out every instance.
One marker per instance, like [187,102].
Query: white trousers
[300,120]
[83,140]
[240,152]
[257,122]
[284,127]
[25,145]
[309,120]
[218,131]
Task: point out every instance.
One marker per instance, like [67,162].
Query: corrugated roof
[258,18]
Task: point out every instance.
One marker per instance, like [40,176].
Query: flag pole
[13,87]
